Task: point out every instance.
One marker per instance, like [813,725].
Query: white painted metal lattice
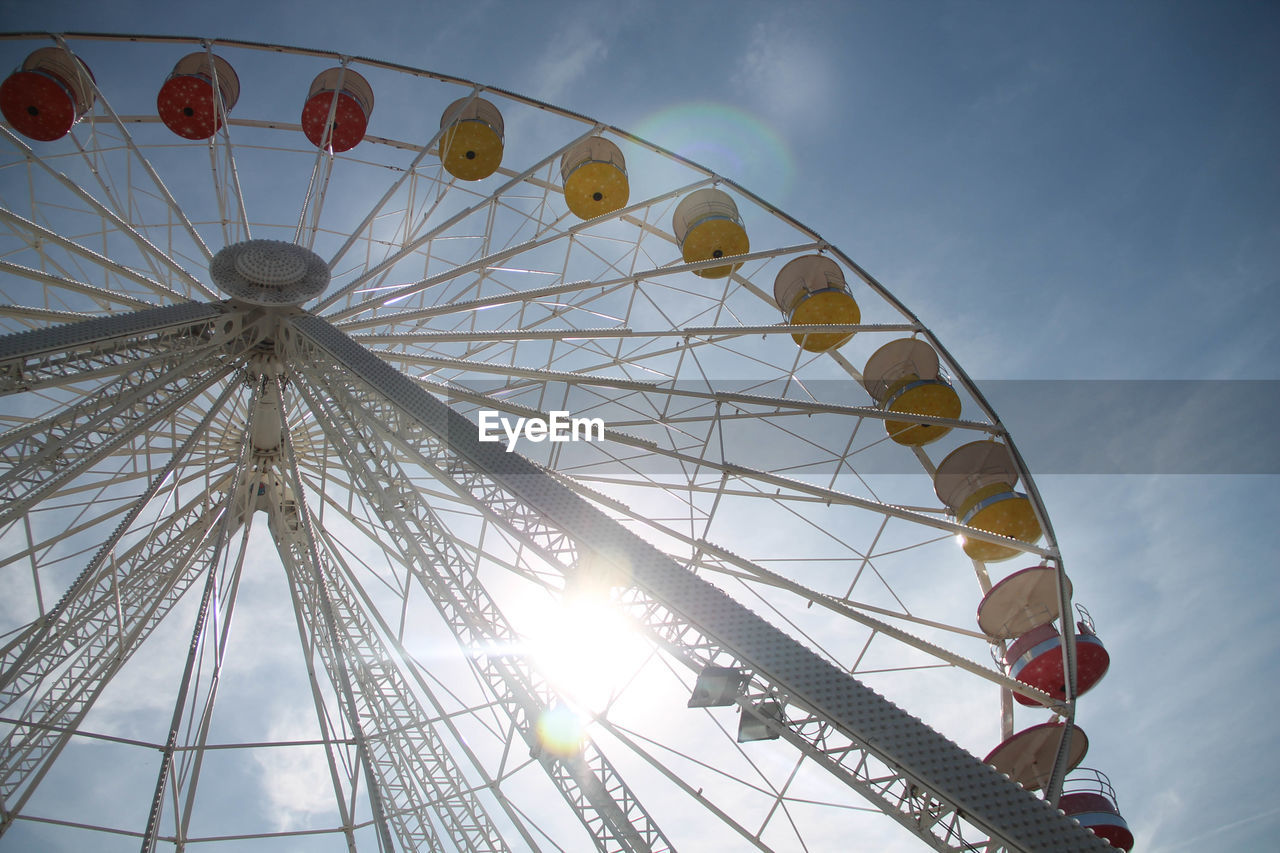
[494,650]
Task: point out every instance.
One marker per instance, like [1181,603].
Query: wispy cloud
[784,70]
[558,69]
[295,779]
[1216,832]
[584,39]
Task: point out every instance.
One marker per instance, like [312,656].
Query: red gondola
[350,116]
[186,101]
[1035,658]
[1088,797]
[46,96]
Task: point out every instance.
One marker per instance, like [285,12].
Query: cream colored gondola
[707,225]
[471,145]
[595,178]
[903,376]
[976,482]
[811,290]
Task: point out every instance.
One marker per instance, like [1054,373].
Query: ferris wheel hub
[269,272]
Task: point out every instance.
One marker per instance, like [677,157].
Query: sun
[580,643]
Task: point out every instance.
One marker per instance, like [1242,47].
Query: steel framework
[743,512]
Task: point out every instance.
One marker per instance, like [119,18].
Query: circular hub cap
[269,272]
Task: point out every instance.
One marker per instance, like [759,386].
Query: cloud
[558,68]
[1216,832]
[783,70]
[584,36]
[295,780]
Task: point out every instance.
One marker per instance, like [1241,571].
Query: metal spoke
[60,450]
[301,556]
[370,274]
[753,475]
[235,507]
[151,173]
[111,214]
[169,561]
[39,234]
[587,780]
[936,790]
[408,171]
[752,504]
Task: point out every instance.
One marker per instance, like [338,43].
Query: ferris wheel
[392,462]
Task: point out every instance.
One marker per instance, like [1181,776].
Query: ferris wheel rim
[1049,552]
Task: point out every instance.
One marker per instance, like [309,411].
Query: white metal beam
[589,783]
[945,795]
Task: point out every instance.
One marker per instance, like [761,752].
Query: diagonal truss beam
[235,506]
[43,357]
[946,796]
[305,556]
[60,448]
[93,586]
[411,763]
[73,669]
[606,806]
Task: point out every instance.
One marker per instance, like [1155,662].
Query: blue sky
[1080,191]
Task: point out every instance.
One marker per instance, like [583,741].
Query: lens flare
[560,731]
[730,141]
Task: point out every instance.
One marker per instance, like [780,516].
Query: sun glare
[560,731]
[579,643]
